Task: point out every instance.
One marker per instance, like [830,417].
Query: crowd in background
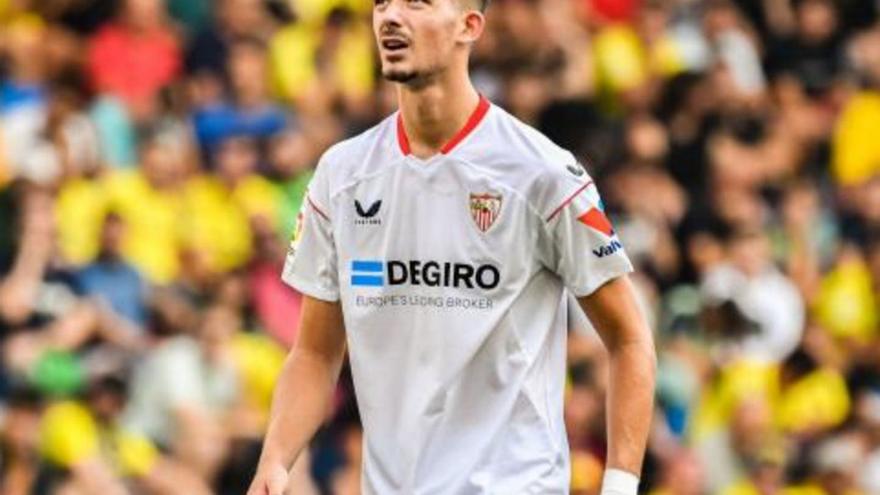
[154,153]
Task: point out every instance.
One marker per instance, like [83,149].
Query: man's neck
[433,114]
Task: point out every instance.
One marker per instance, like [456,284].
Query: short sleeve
[581,247]
[311,263]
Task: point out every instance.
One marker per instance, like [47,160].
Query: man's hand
[271,479]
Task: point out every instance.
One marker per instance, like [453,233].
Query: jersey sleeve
[311,263]
[581,246]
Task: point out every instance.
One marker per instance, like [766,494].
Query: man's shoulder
[350,160]
[371,145]
[522,158]
[518,148]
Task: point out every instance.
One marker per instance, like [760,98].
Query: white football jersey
[452,272]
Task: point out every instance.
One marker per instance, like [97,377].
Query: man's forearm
[302,394]
[299,406]
[614,311]
[629,404]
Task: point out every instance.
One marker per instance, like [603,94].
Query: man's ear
[474,25]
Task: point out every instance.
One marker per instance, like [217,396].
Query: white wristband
[617,482]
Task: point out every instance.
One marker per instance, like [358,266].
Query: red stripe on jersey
[402,138]
[472,123]
[318,210]
[469,126]
[569,200]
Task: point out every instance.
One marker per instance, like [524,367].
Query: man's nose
[390,15]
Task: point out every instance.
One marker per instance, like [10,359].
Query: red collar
[469,126]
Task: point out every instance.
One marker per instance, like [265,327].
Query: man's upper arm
[581,245]
[614,311]
[322,330]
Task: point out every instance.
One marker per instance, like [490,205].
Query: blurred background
[154,153]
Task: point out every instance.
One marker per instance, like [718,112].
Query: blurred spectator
[19,436]
[24,100]
[754,307]
[738,72]
[193,15]
[41,309]
[135,55]
[813,396]
[748,447]
[183,389]
[683,474]
[845,305]
[317,67]
[148,201]
[208,52]
[855,158]
[813,54]
[347,481]
[291,158]
[86,440]
[276,306]
[250,113]
[222,207]
[112,280]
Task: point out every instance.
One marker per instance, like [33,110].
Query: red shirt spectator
[614,10]
[133,63]
[277,306]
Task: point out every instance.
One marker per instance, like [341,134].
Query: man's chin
[400,76]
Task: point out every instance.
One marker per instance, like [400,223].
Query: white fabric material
[455,319]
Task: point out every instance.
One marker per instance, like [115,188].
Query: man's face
[247,71]
[144,13]
[112,235]
[419,39]
[242,17]
[237,158]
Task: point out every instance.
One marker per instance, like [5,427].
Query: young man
[439,247]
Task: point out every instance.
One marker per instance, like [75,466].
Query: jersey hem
[310,289]
[606,276]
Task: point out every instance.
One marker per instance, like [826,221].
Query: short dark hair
[482,5]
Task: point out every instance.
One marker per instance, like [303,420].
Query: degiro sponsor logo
[373,273]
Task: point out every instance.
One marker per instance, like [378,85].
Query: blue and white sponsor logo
[379,273]
[367,273]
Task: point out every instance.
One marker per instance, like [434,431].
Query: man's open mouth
[394,44]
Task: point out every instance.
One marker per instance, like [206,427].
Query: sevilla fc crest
[485,208]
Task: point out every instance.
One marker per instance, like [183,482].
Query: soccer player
[438,249]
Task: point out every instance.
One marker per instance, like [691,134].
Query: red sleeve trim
[568,201]
[317,210]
